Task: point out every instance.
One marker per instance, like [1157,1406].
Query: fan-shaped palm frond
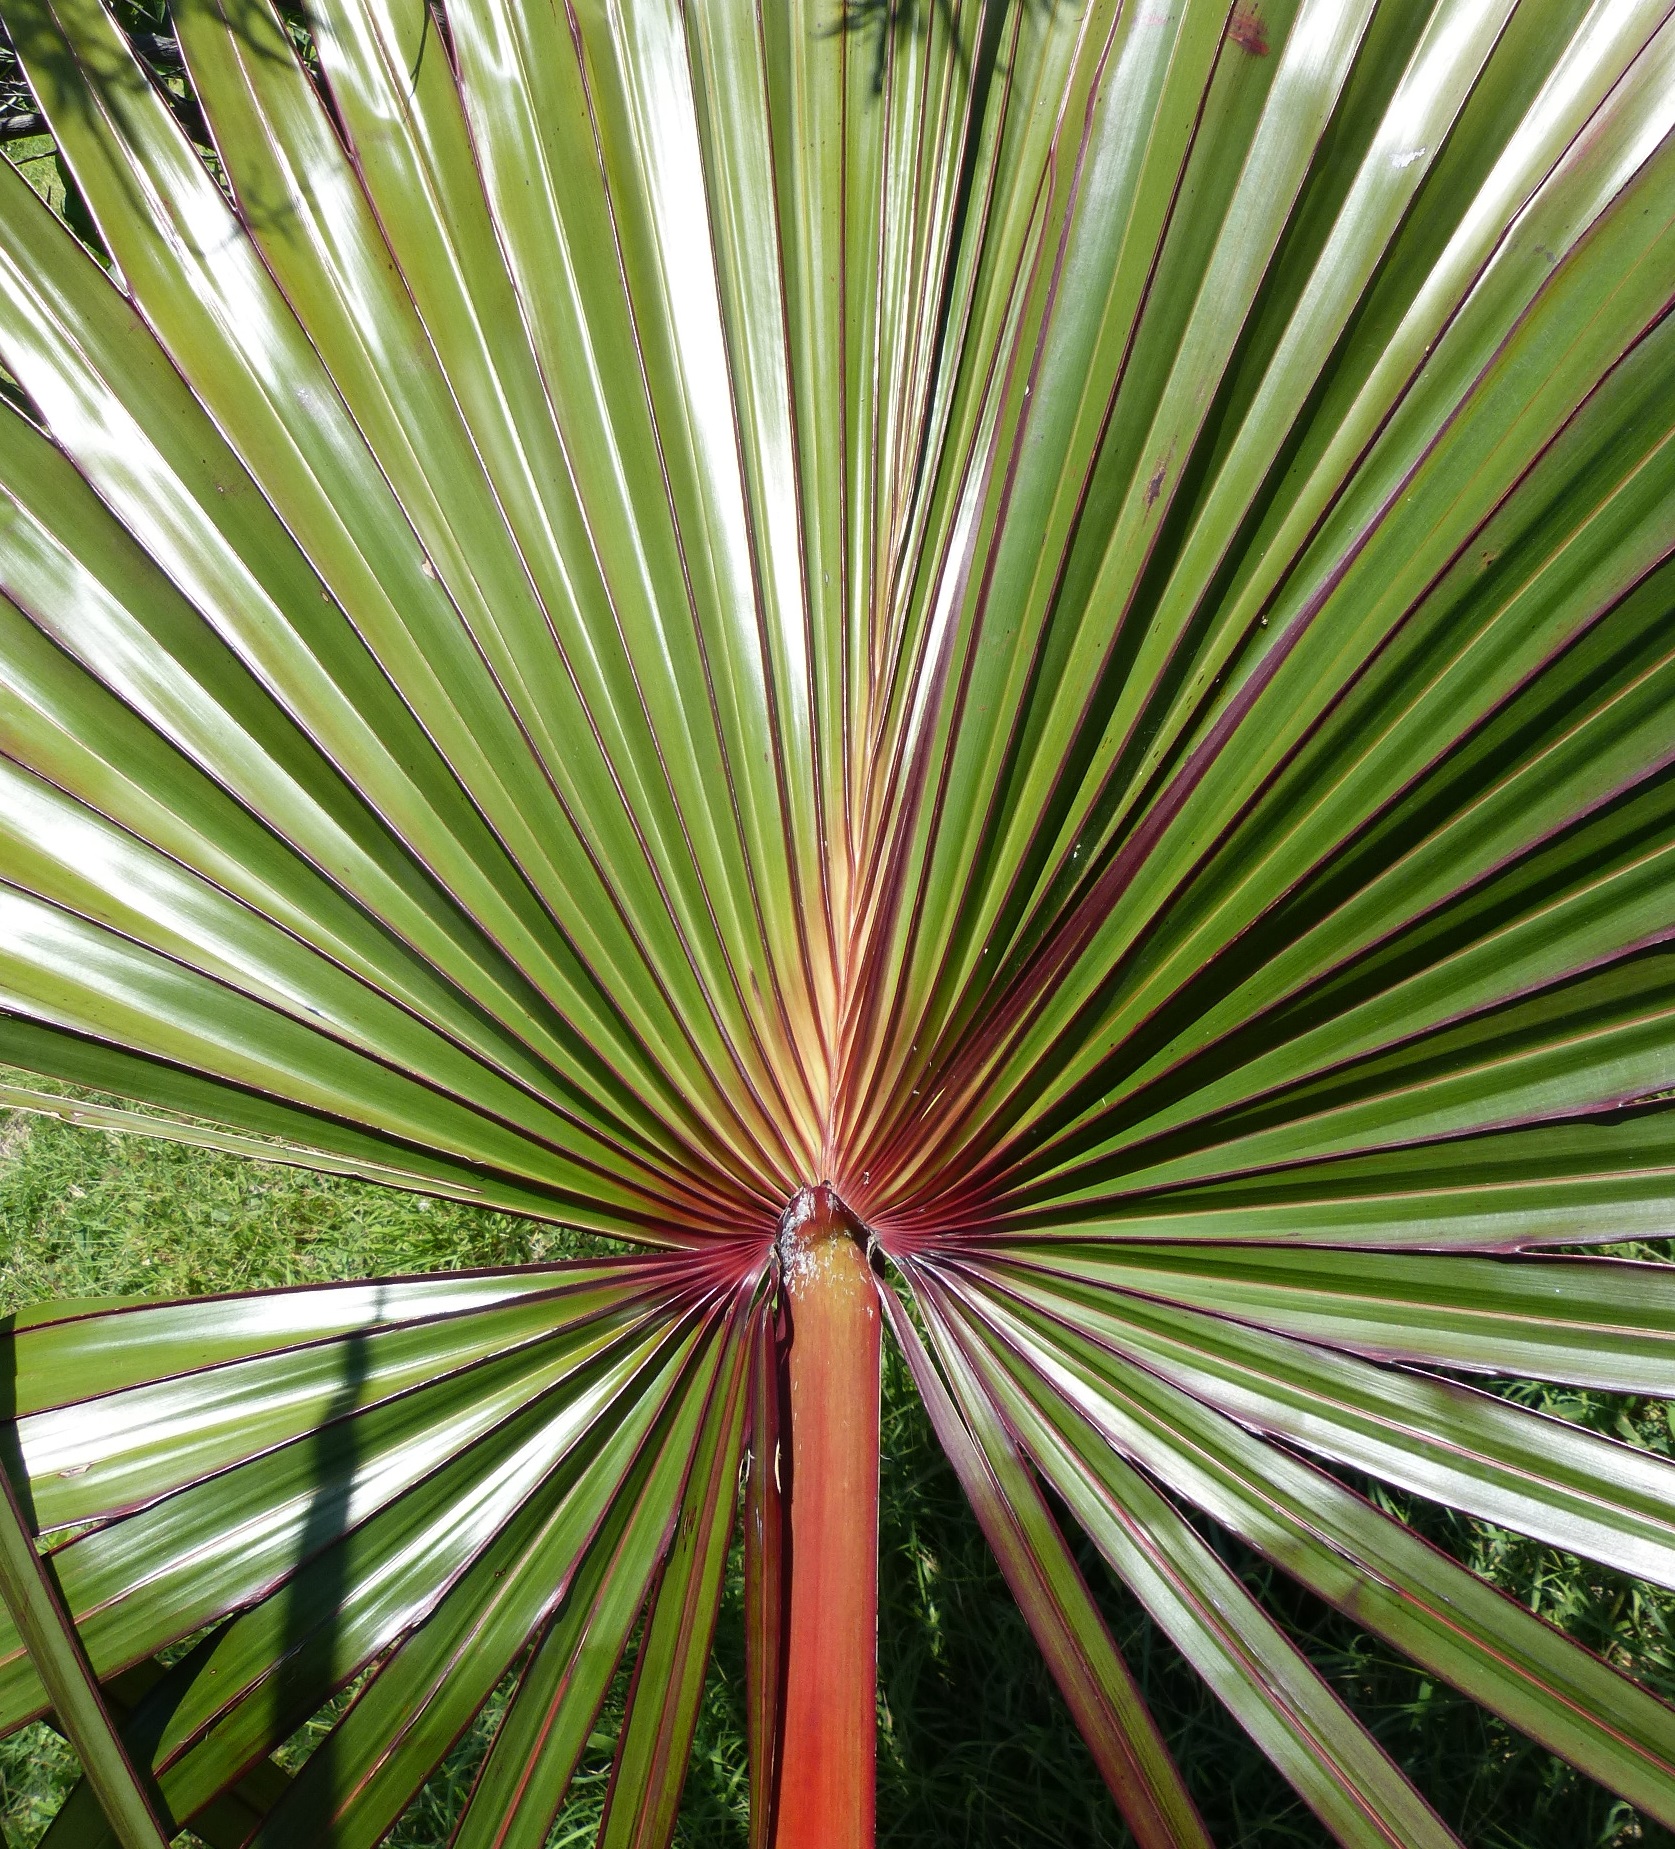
[1005,668]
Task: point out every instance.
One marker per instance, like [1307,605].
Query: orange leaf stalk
[828,1743]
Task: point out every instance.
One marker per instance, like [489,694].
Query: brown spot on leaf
[1154,486]
[1247,31]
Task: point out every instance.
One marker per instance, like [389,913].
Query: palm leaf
[1040,632]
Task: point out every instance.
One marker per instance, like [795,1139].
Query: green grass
[975,1747]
